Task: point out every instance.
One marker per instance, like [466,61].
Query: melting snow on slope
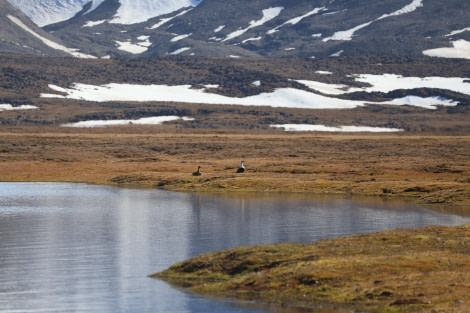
[460,50]
[282,97]
[297,19]
[155,120]
[390,82]
[323,128]
[93,23]
[180,37]
[135,48]
[50,43]
[137,11]
[268,14]
[348,34]
[166,20]
[455,32]
[9,107]
[180,50]
[406,9]
[47,12]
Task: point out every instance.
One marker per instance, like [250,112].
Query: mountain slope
[267,28]
[44,12]
[19,35]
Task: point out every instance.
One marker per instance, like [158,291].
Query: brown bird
[198,172]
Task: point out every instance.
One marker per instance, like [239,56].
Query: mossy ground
[407,270]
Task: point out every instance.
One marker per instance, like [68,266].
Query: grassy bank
[418,270]
[429,169]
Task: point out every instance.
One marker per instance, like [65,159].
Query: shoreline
[430,169]
[363,272]
[403,270]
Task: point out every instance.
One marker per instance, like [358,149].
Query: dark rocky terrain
[397,34]
[24,78]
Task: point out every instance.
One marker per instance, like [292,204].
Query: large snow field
[282,97]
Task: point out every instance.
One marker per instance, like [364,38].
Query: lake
[86,248]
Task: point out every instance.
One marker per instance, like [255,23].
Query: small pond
[86,248]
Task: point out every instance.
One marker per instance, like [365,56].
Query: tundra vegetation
[407,270]
[423,270]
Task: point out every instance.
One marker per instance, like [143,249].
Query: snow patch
[156,120]
[268,14]
[405,10]
[178,51]
[252,39]
[218,29]
[180,37]
[329,89]
[137,11]
[166,20]
[135,48]
[296,20]
[429,103]
[348,34]
[337,54]
[455,32]
[9,107]
[47,12]
[389,82]
[93,23]
[344,129]
[48,42]
[460,50]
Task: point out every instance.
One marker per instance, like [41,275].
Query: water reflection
[82,248]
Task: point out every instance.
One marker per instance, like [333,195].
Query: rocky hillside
[247,28]
[18,34]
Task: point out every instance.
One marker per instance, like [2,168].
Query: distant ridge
[246,28]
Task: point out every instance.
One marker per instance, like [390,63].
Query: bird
[198,172]
[241,168]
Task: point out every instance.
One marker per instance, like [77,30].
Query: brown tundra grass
[428,168]
[421,270]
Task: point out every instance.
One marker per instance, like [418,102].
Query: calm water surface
[84,248]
